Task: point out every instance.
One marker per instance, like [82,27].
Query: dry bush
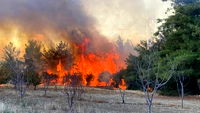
[73,89]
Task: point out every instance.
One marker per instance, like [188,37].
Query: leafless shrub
[73,89]
[152,76]
[47,78]
[17,77]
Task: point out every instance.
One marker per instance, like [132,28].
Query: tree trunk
[199,85]
[45,91]
[122,93]
[182,93]
[35,87]
[150,108]
[56,87]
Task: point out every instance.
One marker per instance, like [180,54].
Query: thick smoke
[131,19]
[50,20]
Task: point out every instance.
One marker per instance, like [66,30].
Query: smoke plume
[49,21]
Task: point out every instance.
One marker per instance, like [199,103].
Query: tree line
[170,61]
[31,68]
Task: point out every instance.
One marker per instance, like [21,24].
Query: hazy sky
[132,19]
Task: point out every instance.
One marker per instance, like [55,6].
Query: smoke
[51,21]
[131,19]
[48,21]
[37,15]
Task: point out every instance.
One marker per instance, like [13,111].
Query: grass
[94,100]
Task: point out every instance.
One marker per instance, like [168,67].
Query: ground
[94,100]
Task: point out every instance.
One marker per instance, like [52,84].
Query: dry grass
[94,100]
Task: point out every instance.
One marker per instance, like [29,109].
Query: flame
[122,85]
[91,63]
[86,62]
[61,72]
[2,85]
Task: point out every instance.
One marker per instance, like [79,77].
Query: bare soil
[94,100]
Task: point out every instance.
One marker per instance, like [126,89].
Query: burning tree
[89,79]
[58,60]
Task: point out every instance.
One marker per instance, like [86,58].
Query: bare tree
[180,79]
[73,89]
[122,88]
[18,77]
[152,75]
[122,94]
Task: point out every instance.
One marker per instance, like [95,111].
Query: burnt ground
[94,100]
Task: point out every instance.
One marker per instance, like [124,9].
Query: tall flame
[88,63]
[61,72]
[122,85]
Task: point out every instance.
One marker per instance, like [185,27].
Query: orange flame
[122,85]
[91,63]
[61,72]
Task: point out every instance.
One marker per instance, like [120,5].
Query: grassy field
[94,100]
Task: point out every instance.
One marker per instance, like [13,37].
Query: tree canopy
[177,40]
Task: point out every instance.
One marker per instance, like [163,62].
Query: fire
[2,85]
[92,64]
[88,63]
[61,72]
[122,85]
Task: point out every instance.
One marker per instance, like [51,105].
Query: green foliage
[130,73]
[33,62]
[170,89]
[62,52]
[198,81]
[11,65]
[178,43]
[183,2]
[10,53]
[4,73]
[33,56]
[181,41]
[32,77]
[182,38]
[118,77]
